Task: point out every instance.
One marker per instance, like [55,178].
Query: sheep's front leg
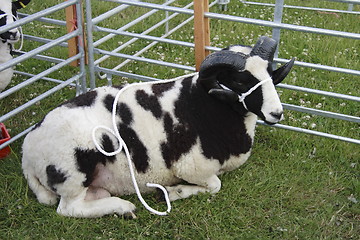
[211,185]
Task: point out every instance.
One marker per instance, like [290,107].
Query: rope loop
[122,146]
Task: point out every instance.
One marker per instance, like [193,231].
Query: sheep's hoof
[129,216]
[159,195]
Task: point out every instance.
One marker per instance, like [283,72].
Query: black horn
[21,3]
[280,73]
[264,48]
[224,59]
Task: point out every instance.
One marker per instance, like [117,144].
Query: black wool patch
[125,114]
[38,124]
[54,176]
[221,130]
[136,148]
[179,140]
[83,100]
[149,103]
[159,88]
[87,159]
[108,102]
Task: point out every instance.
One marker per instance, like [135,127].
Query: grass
[294,186]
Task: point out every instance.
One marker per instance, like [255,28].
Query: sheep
[7,39]
[189,129]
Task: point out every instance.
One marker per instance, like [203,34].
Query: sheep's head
[243,77]
[8,15]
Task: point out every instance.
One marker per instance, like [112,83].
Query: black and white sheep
[8,14]
[190,129]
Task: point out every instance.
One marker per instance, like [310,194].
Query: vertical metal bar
[167,22]
[90,44]
[81,47]
[351,7]
[278,12]
[201,31]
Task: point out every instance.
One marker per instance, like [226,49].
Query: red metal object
[4,137]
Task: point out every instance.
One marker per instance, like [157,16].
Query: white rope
[244,95]
[122,145]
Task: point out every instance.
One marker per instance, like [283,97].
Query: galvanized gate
[46,76]
[118,54]
[172,9]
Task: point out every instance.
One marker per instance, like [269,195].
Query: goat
[190,129]
[8,15]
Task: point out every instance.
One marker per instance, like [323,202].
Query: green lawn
[294,186]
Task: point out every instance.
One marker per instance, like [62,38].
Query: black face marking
[160,88]
[221,130]
[3,19]
[87,159]
[54,176]
[149,103]
[8,35]
[83,100]
[136,148]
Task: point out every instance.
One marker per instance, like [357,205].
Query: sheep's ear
[280,73]
[20,3]
[224,95]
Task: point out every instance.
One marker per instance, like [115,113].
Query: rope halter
[242,96]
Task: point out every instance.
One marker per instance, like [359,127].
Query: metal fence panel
[41,51]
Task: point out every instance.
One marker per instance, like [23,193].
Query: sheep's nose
[277,115]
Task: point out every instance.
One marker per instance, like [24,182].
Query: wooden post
[71,25]
[201,31]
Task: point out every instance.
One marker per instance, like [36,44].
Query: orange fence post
[71,25]
[201,31]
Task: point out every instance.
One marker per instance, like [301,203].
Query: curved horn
[21,3]
[216,62]
[264,48]
[280,73]
[222,59]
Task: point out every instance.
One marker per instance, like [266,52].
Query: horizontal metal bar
[147,37]
[110,13]
[39,49]
[130,24]
[37,15]
[322,113]
[321,67]
[346,1]
[244,20]
[152,43]
[143,59]
[125,74]
[42,57]
[16,137]
[45,20]
[43,78]
[133,39]
[312,132]
[39,76]
[319,92]
[301,7]
[283,26]
[43,40]
[40,97]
